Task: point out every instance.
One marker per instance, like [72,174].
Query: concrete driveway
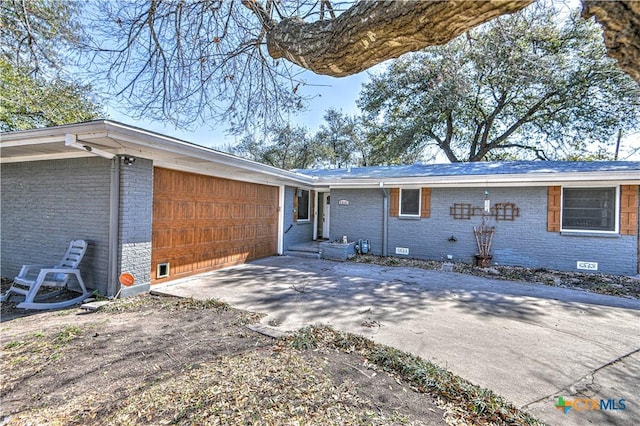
[528,343]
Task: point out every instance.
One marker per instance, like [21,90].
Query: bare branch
[348,45]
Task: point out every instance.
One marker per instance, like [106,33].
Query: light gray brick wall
[362,218]
[46,204]
[294,232]
[136,211]
[524,241]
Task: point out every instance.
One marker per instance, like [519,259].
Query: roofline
[136,135]
[119,131]
[533,179]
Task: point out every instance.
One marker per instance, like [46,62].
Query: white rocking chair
[33,277]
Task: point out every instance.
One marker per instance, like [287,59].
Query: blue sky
[338,93]
[330,92]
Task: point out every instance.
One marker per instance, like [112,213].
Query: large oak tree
[521,86]
[241,63]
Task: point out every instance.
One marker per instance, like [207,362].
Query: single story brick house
[556,215]
[154,206]
[162,208]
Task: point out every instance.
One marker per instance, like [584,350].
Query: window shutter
[394,206]
[425,203]
[554,195]
[312,196]
[629,209]
[295,204]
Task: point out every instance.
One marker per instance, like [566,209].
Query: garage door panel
[184,210]
[161,239]
[182,237]
[202,223]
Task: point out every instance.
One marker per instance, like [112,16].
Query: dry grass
[466,402]
[203,366]
[85,369]
[258,388]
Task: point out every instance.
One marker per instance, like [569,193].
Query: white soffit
[115,138]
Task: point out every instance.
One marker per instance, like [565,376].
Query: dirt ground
[154,360]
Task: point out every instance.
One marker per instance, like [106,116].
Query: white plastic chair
[34,277]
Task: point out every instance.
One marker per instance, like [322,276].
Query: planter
[483,261]
[337,251]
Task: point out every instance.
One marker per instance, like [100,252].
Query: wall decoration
[505,211]
[499,211]
[461,211]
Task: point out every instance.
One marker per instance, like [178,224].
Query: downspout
[71,141]
[281,231]
[114,228]
[385,218]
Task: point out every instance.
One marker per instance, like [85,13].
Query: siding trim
[425,209]
[629,209]
[394,205]
[554,205]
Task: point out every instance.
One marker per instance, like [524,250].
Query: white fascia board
[10,142]
[43,157]
[542,179]
[182,148]
[50,134]
[145,144]
[224,173]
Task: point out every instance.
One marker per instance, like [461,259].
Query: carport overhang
[105,138]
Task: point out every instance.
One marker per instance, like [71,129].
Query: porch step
[303,253]
[308,249]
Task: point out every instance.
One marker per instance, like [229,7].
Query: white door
[326,200]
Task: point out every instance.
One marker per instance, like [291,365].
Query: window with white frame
[410,202]
[590,209]
[303,204]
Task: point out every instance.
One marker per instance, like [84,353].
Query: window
[303,204]
[410,202]
[163,270]
[589,209]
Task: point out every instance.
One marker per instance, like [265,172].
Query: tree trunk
[371,32]
[621,23]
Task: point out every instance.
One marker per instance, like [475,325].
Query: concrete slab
[529,343]
[95,305]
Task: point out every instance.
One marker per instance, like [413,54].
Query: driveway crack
[589,378]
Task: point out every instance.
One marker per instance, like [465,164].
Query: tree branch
[445,145]
[348,44]
[515,126]
[540,154]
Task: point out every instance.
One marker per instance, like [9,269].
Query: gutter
[129,134]
[626,177]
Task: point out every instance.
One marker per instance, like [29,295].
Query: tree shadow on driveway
[303,291]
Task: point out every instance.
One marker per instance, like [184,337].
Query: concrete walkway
[528,343]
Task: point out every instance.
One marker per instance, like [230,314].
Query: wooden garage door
[202,223]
